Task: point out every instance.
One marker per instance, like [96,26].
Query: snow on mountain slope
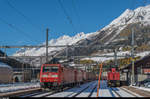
[102,59]
[63,40]
[141,14]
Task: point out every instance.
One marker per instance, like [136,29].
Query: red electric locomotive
[56,76]
[113,78]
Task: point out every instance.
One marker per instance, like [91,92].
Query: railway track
[129,92]
[19,92]
[85,90]
[115,91]
[140,93]
[72,92]
[44,93]
[31,94]
[92,91]
[51,92]
[88,91]
[121,91]
[80,92]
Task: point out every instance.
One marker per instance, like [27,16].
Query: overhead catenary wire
[23,15]
[66,14]
[18,30]
[76,12]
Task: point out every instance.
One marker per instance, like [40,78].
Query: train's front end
[113,78]
[49,75]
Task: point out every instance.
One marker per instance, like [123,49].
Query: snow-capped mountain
[141,14]
[114,32]
[63,40]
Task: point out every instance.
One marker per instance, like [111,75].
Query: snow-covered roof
[4,65]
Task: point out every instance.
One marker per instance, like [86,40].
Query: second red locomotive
[113,78]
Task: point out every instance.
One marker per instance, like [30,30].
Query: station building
[141,69]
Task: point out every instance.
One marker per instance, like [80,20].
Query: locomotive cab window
[50,69]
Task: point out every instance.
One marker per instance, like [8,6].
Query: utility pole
[5,53]
[73,53]
[40,61]
[30,70]
[47,45]
[33,71]
[132,55]
[23,74]
[85,67]
[115,56]
[67,52]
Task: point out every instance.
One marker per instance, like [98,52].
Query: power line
[23,15]
[75,10]
[17,29]
[66,14]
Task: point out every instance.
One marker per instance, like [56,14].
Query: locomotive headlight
[44,75]
[54,75]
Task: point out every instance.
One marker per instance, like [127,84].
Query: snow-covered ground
[104,91]
[71,92]
[17,86]
[142,88]
[87,92]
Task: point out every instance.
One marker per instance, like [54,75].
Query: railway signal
[47,45]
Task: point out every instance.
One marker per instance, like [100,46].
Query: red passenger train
[55,76]
[113,78]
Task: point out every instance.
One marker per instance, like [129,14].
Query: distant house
[20,74]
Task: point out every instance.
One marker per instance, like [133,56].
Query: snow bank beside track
[17,86]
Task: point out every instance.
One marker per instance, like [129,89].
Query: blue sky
[25,21]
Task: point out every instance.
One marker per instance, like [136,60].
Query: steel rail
[18,92]
[128,92]
[116,92]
